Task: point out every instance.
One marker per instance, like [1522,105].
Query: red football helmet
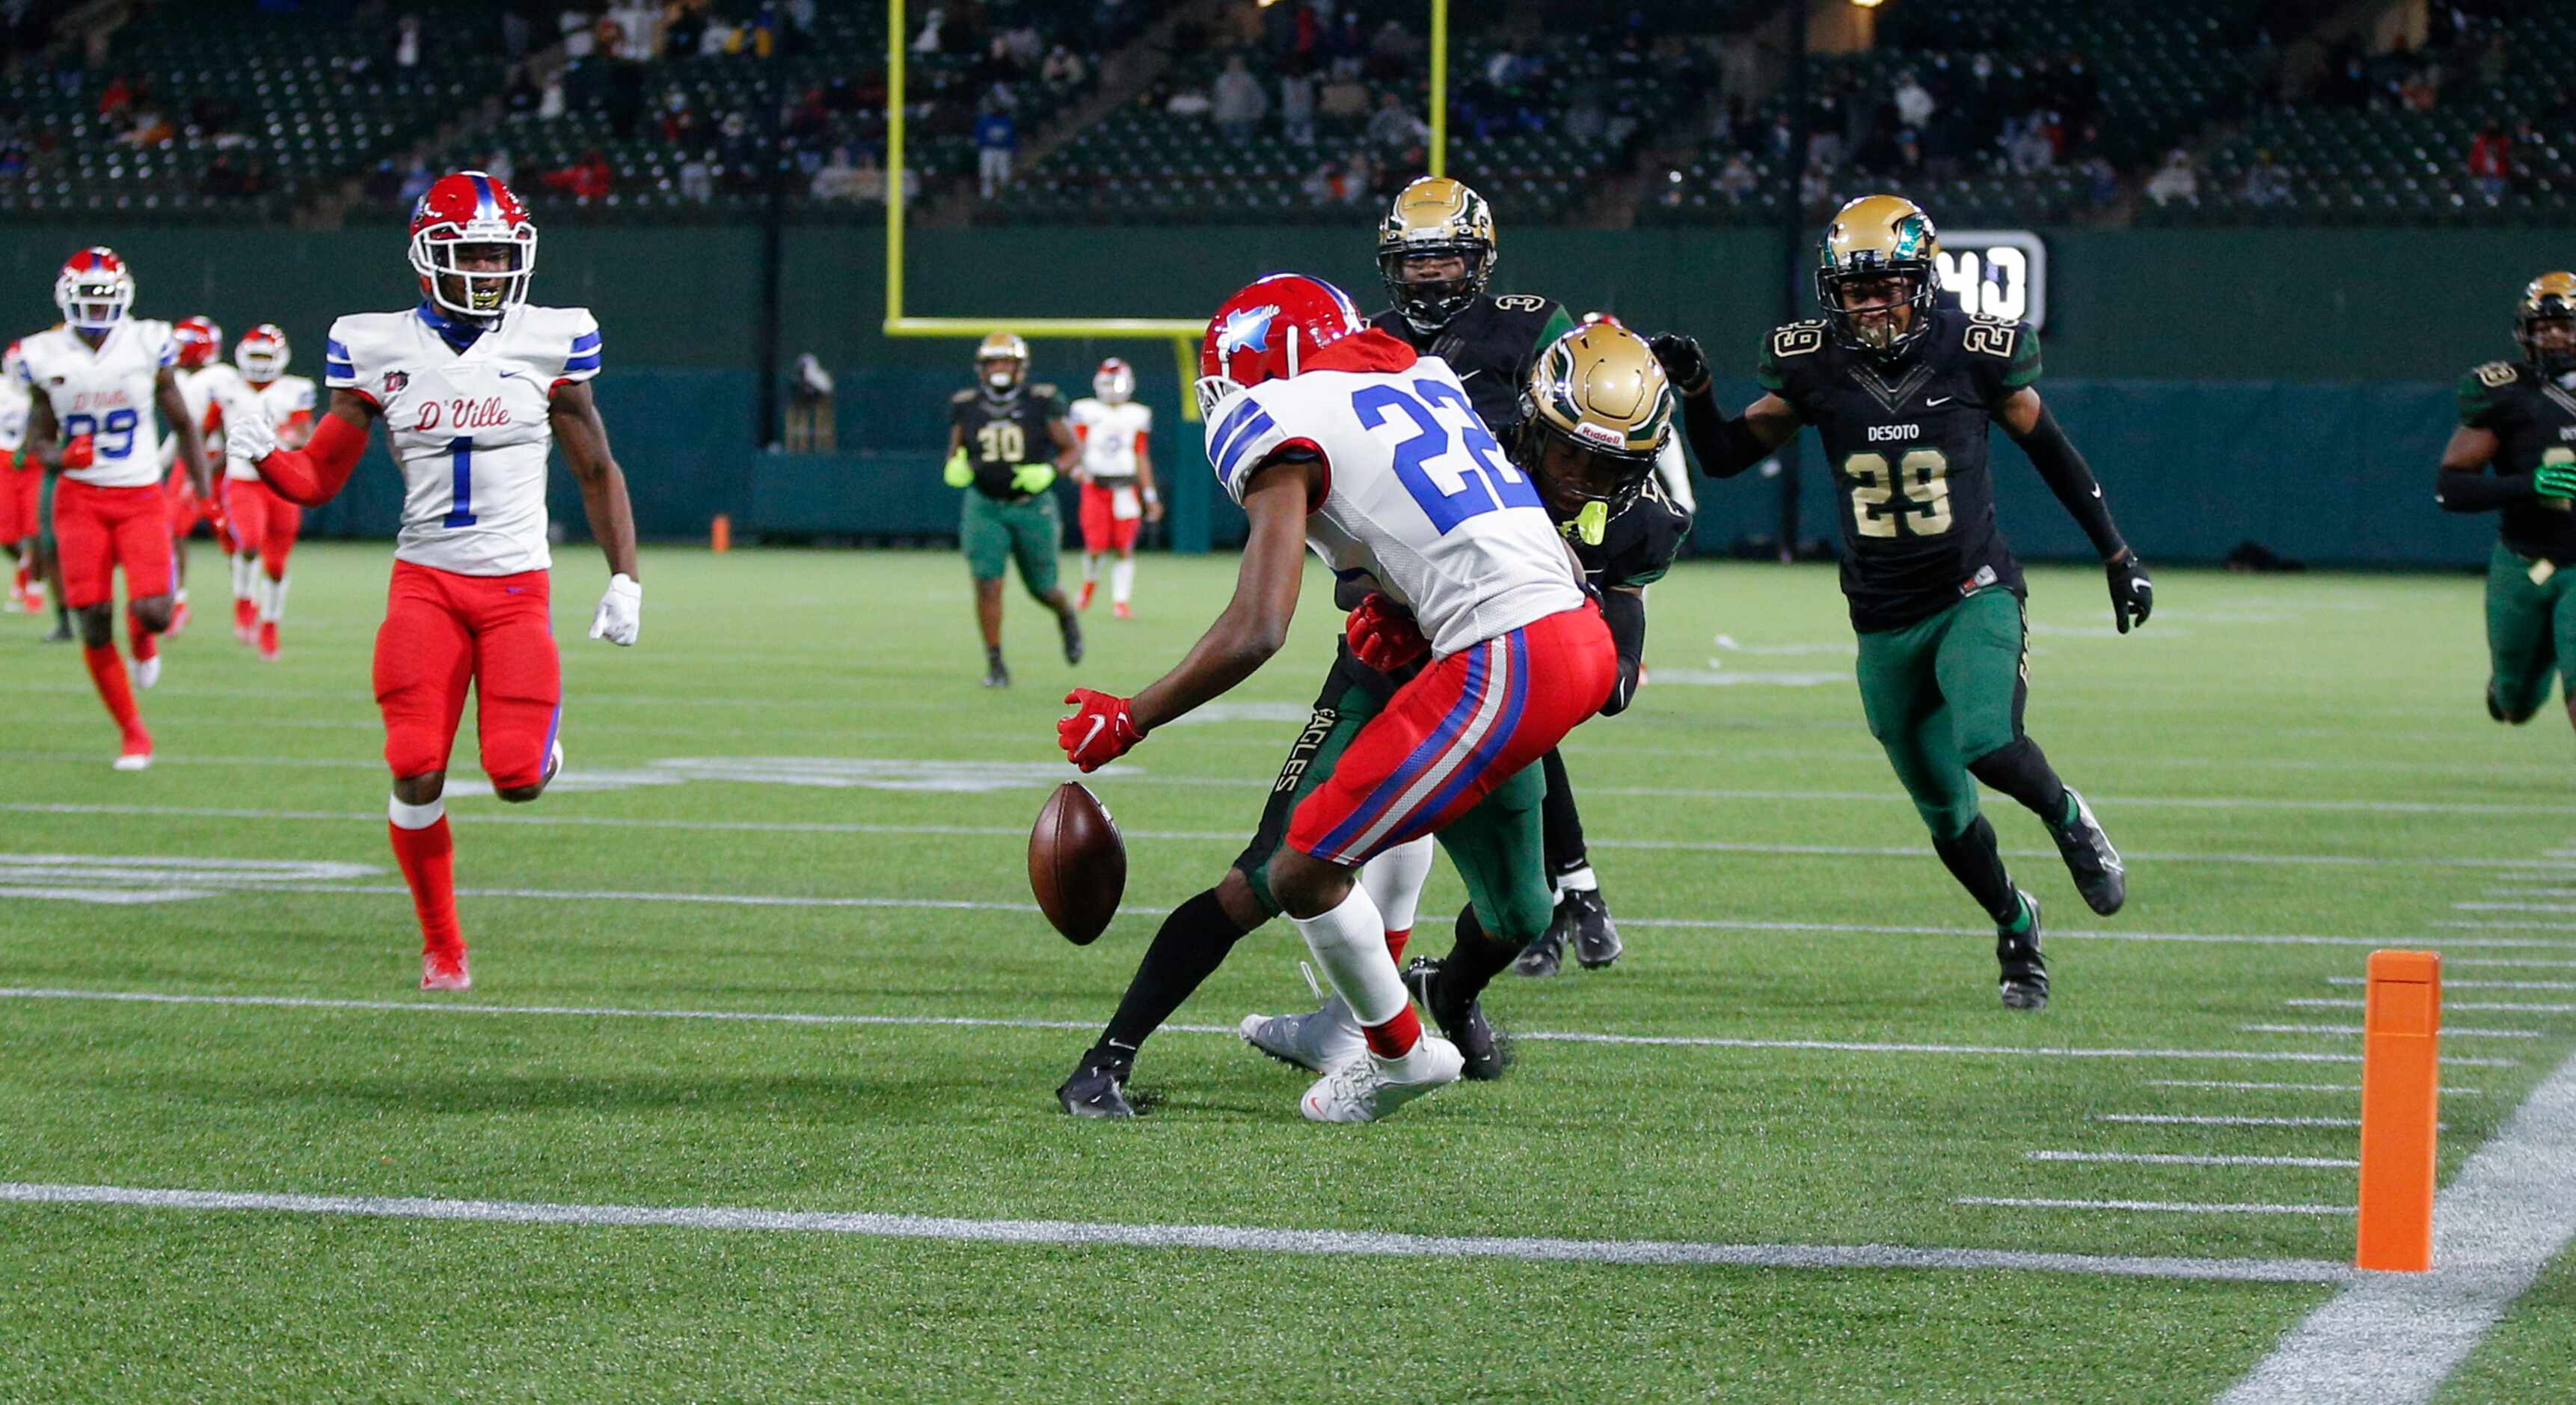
[1266,331]
[201,342]
[94,290]
[1114,383]
[262,354]
[467,217]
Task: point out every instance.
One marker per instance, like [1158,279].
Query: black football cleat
[996,676]
[60,634]
[1096,1090]
[2090,859]
[1596,937]
[2025,971]
[1546,956]
[1462,1023]
[1071,629]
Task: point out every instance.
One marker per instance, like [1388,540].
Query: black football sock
[1563,824]
[1473,961]
[1187,949]
[2020,771]
[993,655]
[1973,858]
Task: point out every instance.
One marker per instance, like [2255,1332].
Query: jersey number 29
[119,423]
[1447,493]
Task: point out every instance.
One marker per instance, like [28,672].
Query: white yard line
[1093,1234]
[2449,1031]
[2448,1005]
[2495,926]
[2139,1158]
[2178,1119]
[2492,961]
[2393,1338]
[2170,1207]
[2449,985]
[441,1007]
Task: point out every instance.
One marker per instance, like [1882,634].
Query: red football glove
[77,452]
[1101,729]
[1384,636]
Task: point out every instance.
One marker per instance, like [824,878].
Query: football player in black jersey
[1436,252]
[2515,454]
[1902,390]
[1606,407]
[1006,442]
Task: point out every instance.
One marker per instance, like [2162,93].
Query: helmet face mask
[1878,275]
[1595,414]
[94,290]
[473,246]
[1435,251]
[262,354]
[1001,363]
[2544,324]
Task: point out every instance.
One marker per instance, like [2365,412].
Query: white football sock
[414,816]
[1349,942]
[245,575]
[1090,567]
[272,599]
[1394,881]
[1122,579]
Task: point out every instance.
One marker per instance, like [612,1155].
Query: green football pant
[1499,846]
[2531,634]
[1945,691]
[996,533]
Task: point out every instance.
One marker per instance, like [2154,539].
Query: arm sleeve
[2067,475]
[312,475]
[1724,447]
[1625,613]
[2473,490]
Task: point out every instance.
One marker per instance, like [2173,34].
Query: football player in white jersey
[21,488]
[212,390]
[1340,437]
[474,386]
[1117,478]
[264,525]
[97,381]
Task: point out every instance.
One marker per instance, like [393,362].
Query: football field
[753,1096]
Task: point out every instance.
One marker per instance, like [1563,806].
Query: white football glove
[249,438]
[621,611]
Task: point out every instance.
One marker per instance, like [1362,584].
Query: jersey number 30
[1448,493]
[1913,496]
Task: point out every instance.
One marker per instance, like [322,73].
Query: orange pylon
[2400,1108]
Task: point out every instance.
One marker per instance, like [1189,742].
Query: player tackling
[474,385]
[1340,437]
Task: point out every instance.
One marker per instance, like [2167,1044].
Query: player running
[2514,454]
[1902,390]
[1006,442]
[474,385]
[264,524]
[1595,418]
[1117,477]
[97,381]
[212,389]
[21,487]
[1339,436]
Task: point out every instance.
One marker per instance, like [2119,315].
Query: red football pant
[1103,530]
[443,631]
[98,530]
[264,524]
[21,498]
[1461,727]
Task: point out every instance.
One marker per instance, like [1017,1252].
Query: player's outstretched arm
[2028,421]
[183,428]
[2464,485]
[314,474]
[1724,447]
[1253,627]
[574,416]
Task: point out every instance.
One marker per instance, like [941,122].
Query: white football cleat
[439,974]
[147,671]
[1316,1041]
[134,760]
[1365,1090]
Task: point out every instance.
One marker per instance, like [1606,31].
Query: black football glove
[1684,363]
[2132,594]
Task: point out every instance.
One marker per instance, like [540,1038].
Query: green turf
[2328,719]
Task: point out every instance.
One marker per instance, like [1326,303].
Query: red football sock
[26,573]
[145,643]
[108,672]
[428,859]
[1395,944]
[1395,1038]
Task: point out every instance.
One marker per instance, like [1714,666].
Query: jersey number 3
[1447,493]
[1915,492]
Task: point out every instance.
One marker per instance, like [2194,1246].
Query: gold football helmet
[1436,215]
[1001,360]
[1595,413]
[2551,297]
[1877,237]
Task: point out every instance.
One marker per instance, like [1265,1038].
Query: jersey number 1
[1485,483]
[460,466]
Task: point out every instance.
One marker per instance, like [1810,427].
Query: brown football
[1077,863]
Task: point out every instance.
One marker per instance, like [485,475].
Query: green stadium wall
[2282,385]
